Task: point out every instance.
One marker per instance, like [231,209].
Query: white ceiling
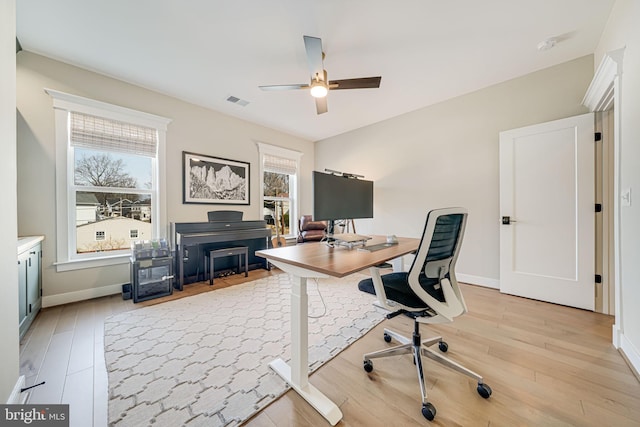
[202,51]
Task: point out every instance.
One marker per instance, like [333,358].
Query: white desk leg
[297,375]
[299,332]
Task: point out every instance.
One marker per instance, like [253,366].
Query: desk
[317,260]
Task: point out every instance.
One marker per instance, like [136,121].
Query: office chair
[428,293]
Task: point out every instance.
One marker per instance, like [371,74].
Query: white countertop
[25,242]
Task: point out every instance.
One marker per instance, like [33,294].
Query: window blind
[105,134]
[278,164]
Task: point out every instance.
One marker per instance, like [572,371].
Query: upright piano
[191,240]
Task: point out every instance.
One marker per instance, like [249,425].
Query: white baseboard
[15,397]
[631,353]
[465,278]
[85,294]
[615,335]
[478,280]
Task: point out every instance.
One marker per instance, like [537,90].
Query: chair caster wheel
[387,337]
[429,411]
[443,346]
[368,365]
[484,390]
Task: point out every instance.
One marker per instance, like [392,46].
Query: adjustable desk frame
[317,260]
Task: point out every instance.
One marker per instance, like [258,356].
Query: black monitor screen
[338,197]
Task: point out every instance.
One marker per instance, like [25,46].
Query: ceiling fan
[320,85]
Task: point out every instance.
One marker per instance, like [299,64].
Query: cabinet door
[33,280]
[23,260]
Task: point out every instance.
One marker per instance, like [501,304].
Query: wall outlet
[625,197]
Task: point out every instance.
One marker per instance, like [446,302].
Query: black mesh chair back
[438,252]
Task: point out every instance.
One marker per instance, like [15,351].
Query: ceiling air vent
[237,101]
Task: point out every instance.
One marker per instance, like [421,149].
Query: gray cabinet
[151,269]
[29,283]
[151,278]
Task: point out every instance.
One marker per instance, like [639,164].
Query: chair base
[418,347]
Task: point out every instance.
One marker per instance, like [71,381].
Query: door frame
[603,94]
[605,296]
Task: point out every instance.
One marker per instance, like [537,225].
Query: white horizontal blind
[99,133]
[278,164]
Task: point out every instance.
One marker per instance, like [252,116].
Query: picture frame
[214,180]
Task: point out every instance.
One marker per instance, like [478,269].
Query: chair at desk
[428,293]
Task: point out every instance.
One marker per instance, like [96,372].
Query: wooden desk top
[339,261]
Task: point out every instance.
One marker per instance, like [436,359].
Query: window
[277,202]
[108,186]
[279,188]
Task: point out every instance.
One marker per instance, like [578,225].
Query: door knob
[506,220]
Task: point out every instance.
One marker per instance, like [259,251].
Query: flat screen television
[338,197]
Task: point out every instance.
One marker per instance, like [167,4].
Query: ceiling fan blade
[360,83]
[284,87]
[313,46]
[321,105]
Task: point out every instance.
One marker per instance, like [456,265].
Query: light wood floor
[548,365]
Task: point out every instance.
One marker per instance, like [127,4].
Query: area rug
[204,360]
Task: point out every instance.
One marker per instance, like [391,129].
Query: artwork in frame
[214,180]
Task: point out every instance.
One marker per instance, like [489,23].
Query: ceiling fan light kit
[320,85]
[319,89]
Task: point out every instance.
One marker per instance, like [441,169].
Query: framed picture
[214,180]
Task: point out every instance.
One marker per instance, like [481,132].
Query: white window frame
[294,196]
[63,103]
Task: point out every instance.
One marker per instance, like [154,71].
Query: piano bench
[225,252]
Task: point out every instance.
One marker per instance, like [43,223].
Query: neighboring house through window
[280,168]
[108,184]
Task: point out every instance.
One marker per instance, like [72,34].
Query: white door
[547,207]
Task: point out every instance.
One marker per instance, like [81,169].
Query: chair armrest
[448,310]
[381,295]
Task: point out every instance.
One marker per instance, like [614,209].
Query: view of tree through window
[105,206]
[277,202]
[276,184]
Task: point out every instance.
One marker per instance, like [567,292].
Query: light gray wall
[622,30]
[8,230]
[447,155]
[192,129]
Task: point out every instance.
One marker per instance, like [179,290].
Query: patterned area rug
[204,360]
